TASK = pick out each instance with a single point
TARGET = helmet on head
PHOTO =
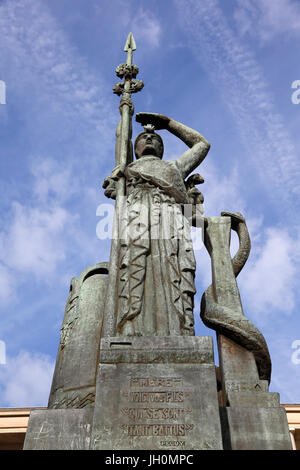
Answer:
(149, 129)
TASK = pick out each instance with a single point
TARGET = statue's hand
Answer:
(109, 185)
(117, 172)
(159, 121)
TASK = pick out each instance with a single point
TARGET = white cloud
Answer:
(33, 239)
(269, 283)
(26, 380)
(32, 242)
(265, 19)
(284, 367)
(41, 237)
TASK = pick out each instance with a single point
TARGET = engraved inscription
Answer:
(172, 443)
(154, 399)
(155, 413)
(157, 429)
(243, 386)
(155, 381)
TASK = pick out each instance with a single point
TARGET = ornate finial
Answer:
(128, 71)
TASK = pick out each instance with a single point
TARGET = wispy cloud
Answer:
(7, 284)
(38, 57)
(146, 27)
(265, 19)
(53, 180)
(245, 91)
(64, 104)
(221, 191)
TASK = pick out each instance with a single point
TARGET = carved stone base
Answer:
(252, 418)
(255, 428)
(156, 393)
(160, 393)
(59, 429)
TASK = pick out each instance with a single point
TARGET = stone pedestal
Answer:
(251, 416)
(160, 393)
(256, 427)
(156, 393)
(59, 429)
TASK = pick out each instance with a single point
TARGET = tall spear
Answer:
(127, 71)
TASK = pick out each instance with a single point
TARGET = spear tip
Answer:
(130, 43)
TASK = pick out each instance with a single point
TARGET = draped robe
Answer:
(157, 263)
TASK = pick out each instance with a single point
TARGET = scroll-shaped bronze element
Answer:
(221, 307)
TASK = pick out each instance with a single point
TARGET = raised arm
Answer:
(198, 150)
(198, 145)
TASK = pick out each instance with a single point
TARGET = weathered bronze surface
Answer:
(156, 265)
(74, 379)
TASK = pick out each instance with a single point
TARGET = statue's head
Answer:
(148, 143)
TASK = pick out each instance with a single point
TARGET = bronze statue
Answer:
(130, 372)
(152, 264)
(156, 263)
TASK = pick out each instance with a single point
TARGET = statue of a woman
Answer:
(156, 263)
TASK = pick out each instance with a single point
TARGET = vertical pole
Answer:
(128, 71)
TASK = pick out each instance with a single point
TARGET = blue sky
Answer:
(225, 68)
